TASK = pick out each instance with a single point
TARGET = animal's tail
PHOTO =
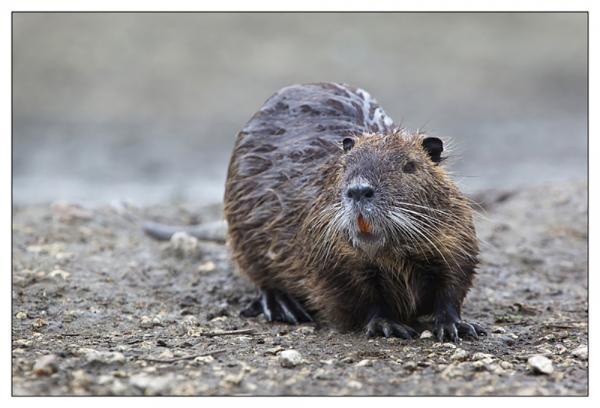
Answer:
(212, 231)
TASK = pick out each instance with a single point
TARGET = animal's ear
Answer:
(434, 148)
(348, 144)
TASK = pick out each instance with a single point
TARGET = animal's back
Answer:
(276, 167)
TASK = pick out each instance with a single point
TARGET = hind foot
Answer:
(277, 306)
(379, 326)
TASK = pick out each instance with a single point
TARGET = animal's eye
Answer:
(348, 144)
(409, 167)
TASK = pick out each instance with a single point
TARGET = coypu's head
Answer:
(393, 193)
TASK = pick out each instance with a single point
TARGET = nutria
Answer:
(344, 232)
(335, 212)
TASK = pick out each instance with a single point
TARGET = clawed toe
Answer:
(466, 330)
(404, 331)
(277, 306)
(253, 309)
(454, 331)
(479, 329)
(443, 331)
(378, 326)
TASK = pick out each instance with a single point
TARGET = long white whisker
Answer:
(424, 233)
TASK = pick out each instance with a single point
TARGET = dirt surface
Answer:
(99, 308)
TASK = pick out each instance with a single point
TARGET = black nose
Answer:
(360, 192)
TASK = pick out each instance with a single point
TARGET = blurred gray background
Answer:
(146, 107)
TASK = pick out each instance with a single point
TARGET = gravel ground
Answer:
(99, 308)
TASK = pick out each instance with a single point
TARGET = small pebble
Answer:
(183, 244)
(365, 363)
(207, 267)
(560, 349)
(118, 388)
(105, 379)
(38, 323)
(51, 249)
(102, 357)
(64, 275)
(119, 374)
(46, 365)
(508, 340)
(321, 374)
(152, 385)
(80, 378)
(452, 371)
(21, 315)
(448, 345)
(63, 256)
(483, 363)
(543, 350)
(581, 352)
(459, 355)
(481, 356)
(306, 330)
(233, 379)
(249, 386)
(426, 334)
(274, 350)
(410, 366)
(540, 364)
(23, 342)
(167, 354)
(290, 358)
(549, 337)
(204, 359)
(148, 322)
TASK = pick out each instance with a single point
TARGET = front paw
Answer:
(456, 330)
(379, 326)
(277, 306)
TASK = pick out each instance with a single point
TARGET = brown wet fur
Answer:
(284, 191)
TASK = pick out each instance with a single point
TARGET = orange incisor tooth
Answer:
(363, 225)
